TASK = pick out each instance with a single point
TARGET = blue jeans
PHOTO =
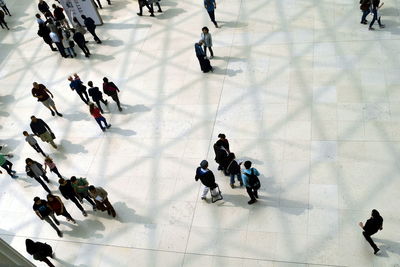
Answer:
(70, 51)
(101, 119)
(239, 177)
(364, 15)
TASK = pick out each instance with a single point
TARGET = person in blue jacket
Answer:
(210, 5)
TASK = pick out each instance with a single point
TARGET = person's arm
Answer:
(47, 90)
(46, 126)
(215, 5)
(361, 225)
(256, 172)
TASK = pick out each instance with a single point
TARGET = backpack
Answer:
(253, 180)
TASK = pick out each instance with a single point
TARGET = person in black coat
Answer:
(205, 65)
(69, 193)
(233, 169)
(206, 177)
(45, 9)
(91, 27)
(96, 95)
(372, 226)
(80, 40)
(143, 3)
(40, 251)
(44, 32)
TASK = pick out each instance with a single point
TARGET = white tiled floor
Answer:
(300, 88)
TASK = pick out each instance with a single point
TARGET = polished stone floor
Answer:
(300, 87)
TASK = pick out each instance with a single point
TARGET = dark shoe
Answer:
(232, 186)
(84, 213)
(60, 234)
(14, 176)
(108, 126)
(75, 54)
(251, 201)
(54, 49)
(371, 29)
(103, 129)
(53, 113)
(139, 14)
(94, 208)
(256, 194)
(220, 168)
(120, 109)
(47, 181)
(59, 114)
(152, 15)
(382, 26)
(376, 251)
(87, 55)
(364, 22)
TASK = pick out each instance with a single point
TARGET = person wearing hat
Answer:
(206, 177)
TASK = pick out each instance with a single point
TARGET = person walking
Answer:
(43, 95)
(44, 32)
(81, 187)
(35, 170)
(371, 227)
(48, 162)
(143, 3)
(3, 23)
(100, 197)
(41, 129)
(40, 251)
(95, 112)
(157, 2)
(68, 193)
(30, 139)
(96, 95)
(233, 169)
(43, 211)
(91, 27)
(251, 181)
(45, 9)
(207, 178)
(205, 65)
(365, 6)
(80, 40)
(7, 165)
(110, 89)
(55, 38)
(59, 16)
(210, 6)
(374, 10)
(77, 85)
(67, 42)
(4, 7)
(207, 40)
(57, 206)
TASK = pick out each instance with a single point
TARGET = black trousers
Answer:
(6, 10)
(252, 193)
(116, 99)
(76, 202)
(87, 197)
(209, 48)
(93, 32)
(8, 167)
(83, 95)
(212, 17)
(144, 3)
(3, 23)
(370, 241)
(66, 214)
(158, 5)
(98, 104)
(84, 48)
(40, 181)
(55, 170)
(38, 149)
(61, 49)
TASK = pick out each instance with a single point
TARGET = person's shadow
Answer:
(69, 148)
(388, 246)
(128, 109)
(117, 130)
(85, 229)
(78, 116)
(169, 13)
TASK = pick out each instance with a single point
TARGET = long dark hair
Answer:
(30, 246)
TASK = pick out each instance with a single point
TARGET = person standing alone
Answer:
(43, 95)
(372, 226)
(251, 181)
(91, 27)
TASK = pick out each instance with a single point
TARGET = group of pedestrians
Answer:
(56, 30)
(3, 13)
(371, 6)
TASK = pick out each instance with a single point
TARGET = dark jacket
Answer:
(220, 154)
(39, 127)
(59, 13)
(67, 190)
(373, 225)
(95, 93)
(43, 7)
(79, 38)
(89, 23)
(207, 178)
(44, 32)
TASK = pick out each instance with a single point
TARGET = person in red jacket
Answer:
(110, 89)
(95, 112)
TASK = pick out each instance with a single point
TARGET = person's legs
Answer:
(109, 207)
(375, 13)
(46, 260)
(38, 149)
(212, 17)
(87, 197)
(49, 221)
(85, 94)
(53, 105)
(42, 184)
(255, 193)
(98, 104)
(67, 215)
(232, 180)
(116, 99)
(99, 120)
(68, 52)
(205, 50)
(6, 10)
(3, 22)
(370, 241)
(80, 93)
(93, 32)
(159, 7)
(211, 51)
(55, 170)
(205, 191)
(60, 48)
(251, 195)
(364, 16)
(105, 102)
(45, 178)
(8, 167)
(76, 202)
(84, 49)
(99, 4)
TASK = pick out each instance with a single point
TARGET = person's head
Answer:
(83, 16)
(54, 6)
(70, 78)
(30, 246)
(204, 164)
(28, 161)
(76, 75)
(33, 118)
(204, 30)
(73, 179)
(62, 181)
(247, 164)
(36, 200)
(37, 16)
(90, 83)
(375, 213)
(221, 136)
(48, 159)
(105, 79)
(50, 197)
(92, 189)
(35, 85)
(25, 133)
(201, 42)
